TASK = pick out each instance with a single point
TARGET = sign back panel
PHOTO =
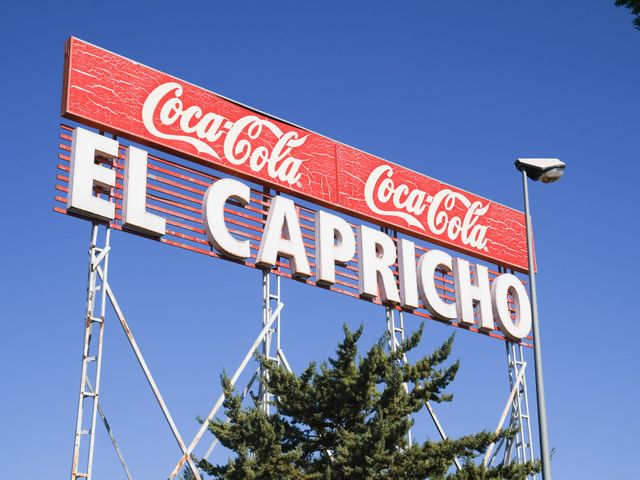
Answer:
(113, 93)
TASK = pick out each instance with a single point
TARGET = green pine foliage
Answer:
(634, 6)
(348, 419)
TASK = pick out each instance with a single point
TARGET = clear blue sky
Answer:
(456, 90)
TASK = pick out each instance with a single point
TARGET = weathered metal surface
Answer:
(126, 98)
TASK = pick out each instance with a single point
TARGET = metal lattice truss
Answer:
(518, 449)
(176, 192)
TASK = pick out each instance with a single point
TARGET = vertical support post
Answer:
(112, 437)
(520, 447)
(270, 303)
(396, 331)
(537, 341)
(91, 354)
(396, 337)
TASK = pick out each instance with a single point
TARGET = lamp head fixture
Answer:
(547, 170)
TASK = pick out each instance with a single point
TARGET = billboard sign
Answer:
(103, 179)
(113, 93)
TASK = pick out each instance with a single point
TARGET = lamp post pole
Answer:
(537, 342)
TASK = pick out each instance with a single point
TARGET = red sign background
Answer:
(113, 93)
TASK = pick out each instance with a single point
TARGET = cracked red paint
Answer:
(113, 93)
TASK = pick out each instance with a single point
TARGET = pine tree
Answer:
(348, 420)
(634, 6)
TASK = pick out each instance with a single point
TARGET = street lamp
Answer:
(547, 170)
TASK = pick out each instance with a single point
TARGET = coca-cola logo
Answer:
(423, 211)
(241, 143)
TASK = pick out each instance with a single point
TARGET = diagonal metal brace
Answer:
(97, 260)
(220, 401)
(103, 416)
(512, 394)
(147, 373)
(245, 392)
(443, 435)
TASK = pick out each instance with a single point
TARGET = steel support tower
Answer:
(516, 449)
(270, 302)
(395, 329)
(84, 440)
(520, 447)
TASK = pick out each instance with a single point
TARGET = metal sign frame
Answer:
(170, 178)
(176, 190)
(219, 134)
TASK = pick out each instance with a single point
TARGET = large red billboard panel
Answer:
(116, 94)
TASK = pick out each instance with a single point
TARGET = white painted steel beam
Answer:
(149, 377)
(505, 411)
(187, 452)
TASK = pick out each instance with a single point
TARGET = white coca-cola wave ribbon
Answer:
(410, 204)
(202, 129)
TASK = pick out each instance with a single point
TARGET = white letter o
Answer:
(518, 328)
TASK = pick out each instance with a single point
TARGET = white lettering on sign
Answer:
(518, 325)
(376, 255)
(478, 302)
(213, 206)
(134, 196)
(202, 130)
(85, 174)
(386, 198)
